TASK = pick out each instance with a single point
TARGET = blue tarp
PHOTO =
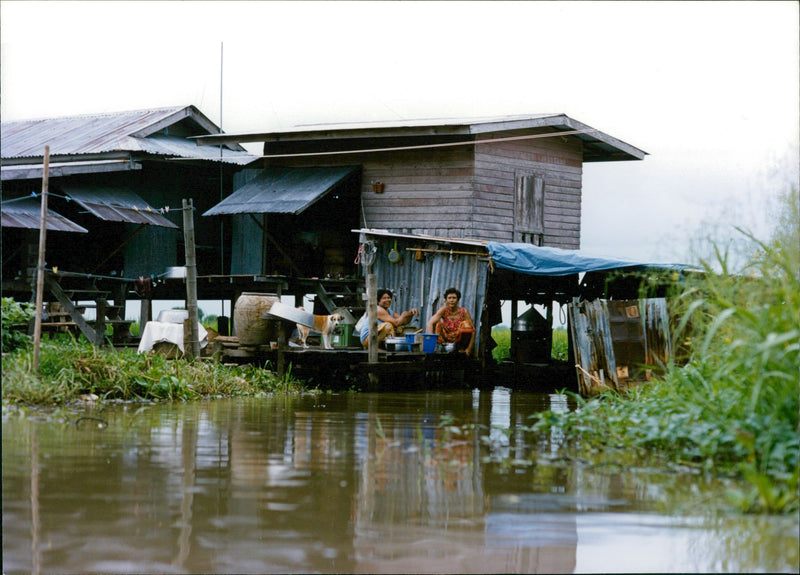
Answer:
(540, 261)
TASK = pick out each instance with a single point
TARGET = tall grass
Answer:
(734, 406)
(70, 368)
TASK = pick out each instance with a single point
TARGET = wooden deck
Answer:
(345, 367)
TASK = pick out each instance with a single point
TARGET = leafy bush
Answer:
(733, 407)
(502, 337)
(15, 319)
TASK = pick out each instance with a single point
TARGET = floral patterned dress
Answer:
(452, 326)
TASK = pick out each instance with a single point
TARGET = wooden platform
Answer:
(344, 367)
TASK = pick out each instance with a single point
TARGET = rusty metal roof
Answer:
(117, 205)
(26, 213)
(157, 131)
(282, 190)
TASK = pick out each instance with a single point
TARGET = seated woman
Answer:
(388, 320)
(453, 323)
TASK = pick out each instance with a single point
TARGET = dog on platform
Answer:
(325, 325)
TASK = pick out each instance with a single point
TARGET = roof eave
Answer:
(598, 145)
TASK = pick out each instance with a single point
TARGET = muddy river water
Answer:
(421, 482)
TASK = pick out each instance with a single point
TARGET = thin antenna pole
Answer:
(221, 188)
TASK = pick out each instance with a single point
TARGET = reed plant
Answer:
(734, 406)
(70, 368)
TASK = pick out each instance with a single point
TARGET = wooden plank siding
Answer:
(467, 192)
(498, 165)
(425, 191)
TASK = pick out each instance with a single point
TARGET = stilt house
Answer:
(120, 178)
(435, 191)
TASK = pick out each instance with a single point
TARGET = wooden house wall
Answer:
(468, 192)
(425, 191)
(498, 165)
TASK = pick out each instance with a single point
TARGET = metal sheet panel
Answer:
(618, 343)
(59, 169)
(282, 190)
(118, 205)
(26, 213)
(84, 134)
(128, 131)
(598, 146)
(188, 150)
(421, 283)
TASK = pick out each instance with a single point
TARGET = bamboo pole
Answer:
(192, 350)
(37, 322)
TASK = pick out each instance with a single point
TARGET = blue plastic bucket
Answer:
(428, 341)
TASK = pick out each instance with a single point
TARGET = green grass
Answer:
(69, 368)
(502, 337)
(733, 407)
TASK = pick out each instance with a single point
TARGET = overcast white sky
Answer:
(709, 90)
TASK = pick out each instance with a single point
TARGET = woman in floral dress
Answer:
(453, 323)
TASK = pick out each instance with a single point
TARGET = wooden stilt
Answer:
(37, 322)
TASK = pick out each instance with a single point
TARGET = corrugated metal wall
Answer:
(247, 238)
(421, 282)
(618, 342)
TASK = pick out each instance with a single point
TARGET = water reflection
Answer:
(383, 483)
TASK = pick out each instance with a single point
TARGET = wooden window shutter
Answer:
(529, 209)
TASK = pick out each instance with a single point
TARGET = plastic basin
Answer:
(428, 341)
(290, 313)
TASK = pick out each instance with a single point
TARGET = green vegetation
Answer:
(15, 319)
(560, 344)
(502, 337)
(733, 407)
(69, 369)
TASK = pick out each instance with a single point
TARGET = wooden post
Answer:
(100, 321)
(37, 322)
(145, 312)
(283, 342)
(192, 350)
(372, 316)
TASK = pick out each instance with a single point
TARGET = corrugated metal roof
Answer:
(112, 132)
(26, 213)
(282, 190)
(598, 146)
(57, 169)
(118, 205)
(447, 121)
(183, 148)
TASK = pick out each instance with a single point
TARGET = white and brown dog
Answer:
(325, 325)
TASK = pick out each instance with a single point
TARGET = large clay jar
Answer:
(249, 323)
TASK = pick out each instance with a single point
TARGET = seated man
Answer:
(453, 323)
(388, 320)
